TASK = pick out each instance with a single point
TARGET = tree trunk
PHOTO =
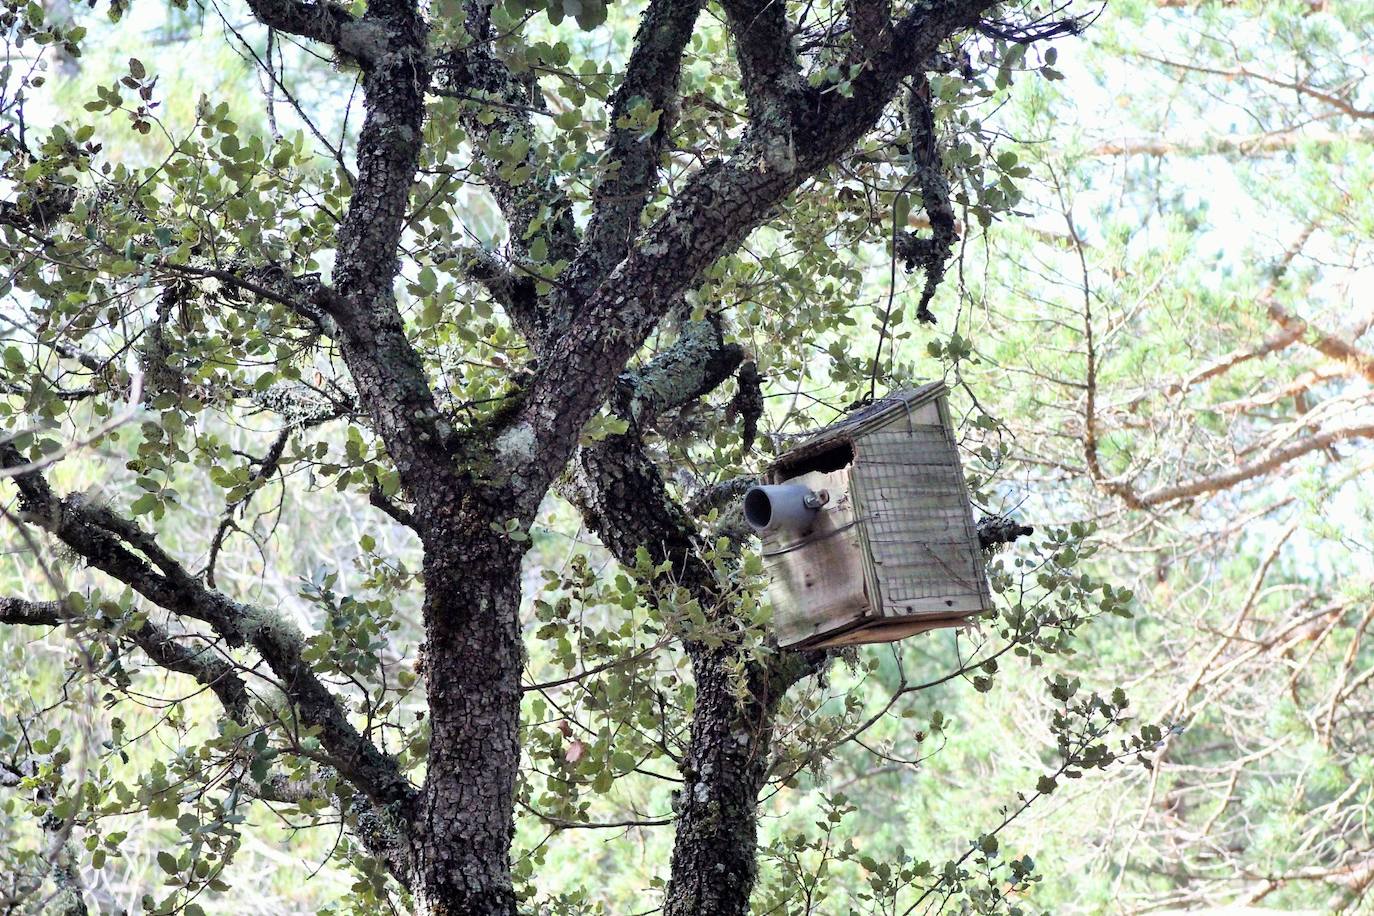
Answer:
(465, 817)
(621, 496)
(714, 863)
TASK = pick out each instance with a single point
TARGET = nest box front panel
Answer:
(816, 577)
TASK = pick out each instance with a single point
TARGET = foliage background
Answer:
(1190, 179)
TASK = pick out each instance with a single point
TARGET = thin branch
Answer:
(108, 543)
(1272, 461)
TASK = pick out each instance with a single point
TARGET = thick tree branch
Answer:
(387, 372)
(693, 367)
(376, 828)
(205, 667)
(615, 484)
(714, 212)
(494, 107)
(21, 612)
(324, 22)
(871, 22)
(769, 71)
(643, 114)
(108, 543)
(623, 499)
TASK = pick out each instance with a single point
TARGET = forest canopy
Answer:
(379, 383)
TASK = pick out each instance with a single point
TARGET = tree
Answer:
(404, 347)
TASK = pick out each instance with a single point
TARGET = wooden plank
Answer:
(886, 630)
(816, 584)
(964, 603)
(909, 563)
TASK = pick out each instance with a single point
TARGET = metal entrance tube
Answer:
(782, 507)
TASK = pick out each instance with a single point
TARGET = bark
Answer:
(465, 817)
(386, 370)
(769, 70)
(373, 825)
(651, 80)
(708, 218)
(932, 252)
(108, 543)
(715, 854)
(324, 22)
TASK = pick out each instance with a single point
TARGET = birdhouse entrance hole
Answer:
(834, 457)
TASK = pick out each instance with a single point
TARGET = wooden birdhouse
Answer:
(867, 528)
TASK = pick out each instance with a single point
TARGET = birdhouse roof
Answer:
(869, 417)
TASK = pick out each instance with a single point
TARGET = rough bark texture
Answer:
(715, 859)
(465, 817)
(108, 544)
(928, 172)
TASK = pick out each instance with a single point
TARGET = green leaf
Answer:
(427, 281)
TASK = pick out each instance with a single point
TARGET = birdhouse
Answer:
(867, 528)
